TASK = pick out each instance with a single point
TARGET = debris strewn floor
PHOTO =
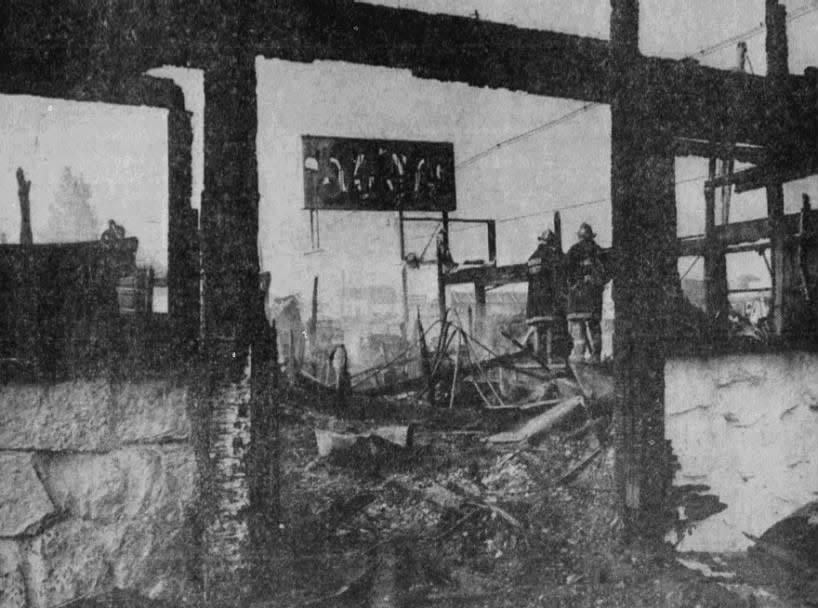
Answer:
(457, 521)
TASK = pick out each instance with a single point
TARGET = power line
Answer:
(516, 218)
(526, 134)
(708, 50)
(806, 9)
(597, 201)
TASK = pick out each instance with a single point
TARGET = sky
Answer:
(122, 151)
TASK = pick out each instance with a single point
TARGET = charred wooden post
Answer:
(230, 205)
(265, 449)
(443, 264)
(778, 71)
(233, 311)
(183, 237)
(479, 310)
(645, 276)
(715, 270)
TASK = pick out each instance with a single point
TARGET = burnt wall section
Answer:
(164, 342)
(61, 50)
(183, 236)
(59, 314)
(743, 429)
(98, 490)
(645, 276)
(230, 202)
(227, 558)
(240, 515)
(443, 47)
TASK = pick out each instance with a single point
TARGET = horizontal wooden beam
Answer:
(488, 276)
(49, 55)
(137, 91)
(700, 147)
(734, 236)
(442, 47)
(697, 101)
(756, 178)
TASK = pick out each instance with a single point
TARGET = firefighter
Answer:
(545, 303)
(586, 278)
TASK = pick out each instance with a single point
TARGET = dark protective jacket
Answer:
(546, 293)
(586, 278)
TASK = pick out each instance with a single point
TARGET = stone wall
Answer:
(744, 429)
(98, 486)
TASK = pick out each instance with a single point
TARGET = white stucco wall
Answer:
(747, 426)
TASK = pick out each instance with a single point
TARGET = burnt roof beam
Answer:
(695, 101)
(442, 47)
(47, 57)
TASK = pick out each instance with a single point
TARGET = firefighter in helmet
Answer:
(586, 277)
(545, 306)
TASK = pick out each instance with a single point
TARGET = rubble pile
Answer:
(474, 518)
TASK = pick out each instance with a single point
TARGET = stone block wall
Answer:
(98, 488)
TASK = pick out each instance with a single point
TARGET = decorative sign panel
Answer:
(377, 175)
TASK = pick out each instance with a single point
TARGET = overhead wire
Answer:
(598, 201)
(704, 51)
(708, 50)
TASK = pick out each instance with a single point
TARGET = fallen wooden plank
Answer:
(451, 597)
(402, 386)
(525, 406)
(541, 424)
(499, 511)
(332, 443)
(400, 435)
(577, 469)
(314, 383)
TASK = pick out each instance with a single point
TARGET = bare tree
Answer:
(71, 217)
(23, 189)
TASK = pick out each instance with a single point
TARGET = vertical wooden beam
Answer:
(441, 288)
(234, 311)
(441, 284)
(645, 278)
(491, 230)
(777, 47)
(404, 279)
(479, 310)
(715, 267)
(777, 71)
(775, 212)
(711, 304)
(265, 452)
(444, 229)
(230, 204)
(183, 237)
